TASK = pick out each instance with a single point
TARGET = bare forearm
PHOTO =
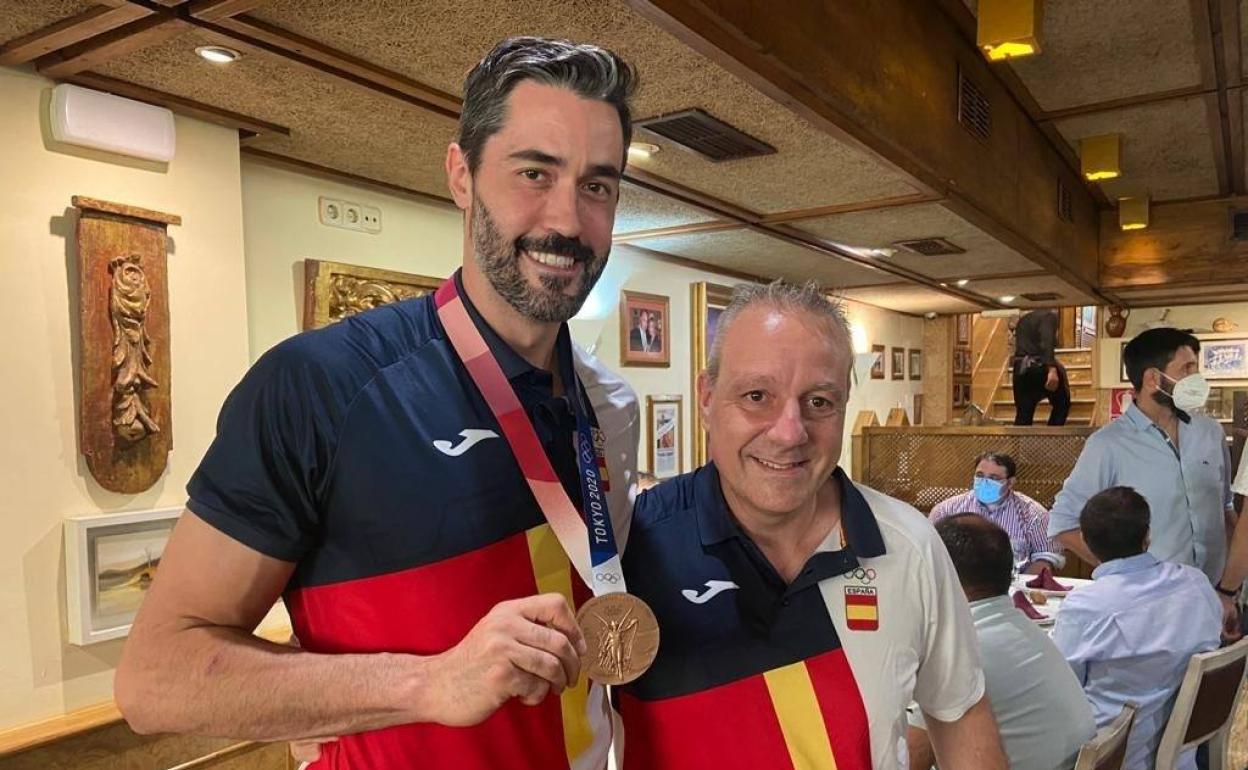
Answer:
(1072, 539)
(224, 682)
(1237, 557)
(969, 743)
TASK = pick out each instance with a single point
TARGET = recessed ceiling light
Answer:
(963, 281)
(1007, 298)
(642, 149)
(218, 54)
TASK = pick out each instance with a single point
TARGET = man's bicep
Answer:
(206, 577)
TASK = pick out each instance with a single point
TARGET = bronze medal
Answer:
(623, 637)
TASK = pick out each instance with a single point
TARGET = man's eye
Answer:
(532, 174)
(755, 395)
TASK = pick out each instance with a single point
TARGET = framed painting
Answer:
(877, 366)
(334, 290)
(916, 365)
(110, 561)
(957, 394)
(1224, 359)
(664, 437)
(707, 302)
(918, 409)
(963, 324)
(899, 363)
(645, 329)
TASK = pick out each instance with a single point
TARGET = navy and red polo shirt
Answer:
(364, 453)
(756, 673)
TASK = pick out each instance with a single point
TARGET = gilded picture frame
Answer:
(335, 290)
(707, 301)
(650, 346)
(665, 439)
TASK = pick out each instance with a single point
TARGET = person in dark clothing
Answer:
(1037, 373)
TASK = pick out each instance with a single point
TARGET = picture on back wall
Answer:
(644, 329)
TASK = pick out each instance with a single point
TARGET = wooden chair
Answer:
(1205, 706)
(1107, 750)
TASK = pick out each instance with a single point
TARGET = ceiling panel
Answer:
(1191, 295)
(1017, 287)
(1167, 148)
(332, 123)
(21, 17)
(751, 252)
(910, 298)
(641, 209)
(1098, 50)
(878, 228)
(436, 42)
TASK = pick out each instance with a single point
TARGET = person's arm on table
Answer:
(192, 665)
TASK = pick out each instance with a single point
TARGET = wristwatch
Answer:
(1226, 591)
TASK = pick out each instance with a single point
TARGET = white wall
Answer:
(42, 475)
(1200, 318)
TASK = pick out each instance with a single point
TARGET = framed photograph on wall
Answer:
(645, 338)
(963, 323)
(664, 437)
(918, 409)
(877, 367)
(707, 302)
(899, 363)
(1224, 359)
(957, 394)
(110, 561)
(916, 365)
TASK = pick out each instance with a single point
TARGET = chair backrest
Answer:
(1107, 750)
(1205, 704)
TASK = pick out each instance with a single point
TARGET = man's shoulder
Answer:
(953, 504)
(600, 380)
(904, 528)
(667, 501)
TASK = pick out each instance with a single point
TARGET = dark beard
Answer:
(500, 262)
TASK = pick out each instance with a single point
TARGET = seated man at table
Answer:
(1129, 635)
(993, 497)
(1039, 705)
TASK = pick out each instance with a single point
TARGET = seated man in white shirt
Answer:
(1129, 635)
(1039, 705)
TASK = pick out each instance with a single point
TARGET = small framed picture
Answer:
(966, 393)
(110, 561)
(916, 365)
(963, 324)
(644, 329)
(957, 394)
(958, 354)
(1224, 359)
(665, 435)
(877, 367)
(899, 363)
(918, 409)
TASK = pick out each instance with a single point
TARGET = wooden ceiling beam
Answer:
(847, 208)
(1112, 105)
(150, 30)
(667, 232)
(216, 10)
(898, 101)
(1231, 98)
(75, 29)
(1207, 26)
(179, 104)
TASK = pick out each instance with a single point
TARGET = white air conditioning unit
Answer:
(87, 118)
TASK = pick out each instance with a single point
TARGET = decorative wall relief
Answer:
(334, 290)
(125, 413)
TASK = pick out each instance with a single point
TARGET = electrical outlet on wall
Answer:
(348, 215)
(370, 219)
(351, 217)
(330, 211)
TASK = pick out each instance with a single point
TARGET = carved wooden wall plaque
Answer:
(125, 415)
(334, 290)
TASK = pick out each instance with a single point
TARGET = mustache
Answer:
(559, 245)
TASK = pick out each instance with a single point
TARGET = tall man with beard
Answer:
(359, 472)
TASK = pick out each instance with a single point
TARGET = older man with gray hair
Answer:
(800, 612)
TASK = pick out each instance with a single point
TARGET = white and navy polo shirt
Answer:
(754, 673)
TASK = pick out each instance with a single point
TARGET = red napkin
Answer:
(1045, 581)
(1024, 604)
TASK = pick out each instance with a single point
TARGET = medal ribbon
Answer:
(591, 549)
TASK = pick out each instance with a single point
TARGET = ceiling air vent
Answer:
(1065, 208)
(974, 112)
(1042, 296)
(931, 247)
(706, 135)
(1239, 224)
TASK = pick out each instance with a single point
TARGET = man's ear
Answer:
(704, 396)
(459, 176)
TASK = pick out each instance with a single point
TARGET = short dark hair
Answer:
(1002, 459)
(586, 70)
(1115, 523)
(981, 554)
(1155, 349)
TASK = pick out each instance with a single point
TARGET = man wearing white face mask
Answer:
(994, 498)
(1176, 459)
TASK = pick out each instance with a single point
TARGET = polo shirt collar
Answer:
(716, 523)
(983, 608)
(1140, 561)
(512, 363)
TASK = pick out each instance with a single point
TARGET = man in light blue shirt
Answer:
(1177, 460)
(1041, 712)
(1129, 635)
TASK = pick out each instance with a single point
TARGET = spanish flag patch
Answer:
(862, 609)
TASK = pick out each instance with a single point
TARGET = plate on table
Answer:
(1072, 582)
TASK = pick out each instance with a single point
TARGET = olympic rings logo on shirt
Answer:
(866, 575)
(607, 577)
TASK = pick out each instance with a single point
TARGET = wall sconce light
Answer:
(1008, 29)
(1133, 213)
(1100, 157)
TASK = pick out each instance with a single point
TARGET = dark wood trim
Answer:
(150, 30)
(846, 208)
(180, 105)
(687, 195)
(1231, 98)
(1111, 105)
(1205, 299)
(694, 264)
(124, 210)
(216, 10)
(667, 232)
(1207, 28)
(67, 32)
(345, 176)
